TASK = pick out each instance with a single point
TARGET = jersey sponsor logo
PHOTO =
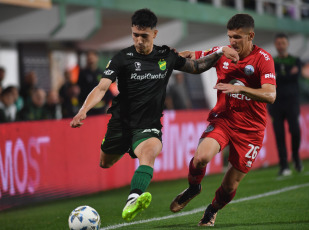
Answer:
(108, 72)
(162, 64)
(225, 65)
(270, 75)
(108, 64)
(238, 96)
(130, 54)
(148, 76)
(249, 70)
(138, 66)
(151, 131)
(266, 56)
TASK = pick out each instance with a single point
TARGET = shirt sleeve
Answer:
(267, 69)
(180, 61)
(113, 68)
(203, 53)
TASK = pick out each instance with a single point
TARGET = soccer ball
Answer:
(84, 218)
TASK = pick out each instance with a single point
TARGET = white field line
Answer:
(275, 192)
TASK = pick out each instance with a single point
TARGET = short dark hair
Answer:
(240, 21)
(144, 18)
(281, 35)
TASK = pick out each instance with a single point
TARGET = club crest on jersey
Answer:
(162, 64)
(138, 66)
(249, 70)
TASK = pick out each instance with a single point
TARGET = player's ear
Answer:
(155, 33)
(251, 35)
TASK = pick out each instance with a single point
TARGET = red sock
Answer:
(195, 175)
(222, 198)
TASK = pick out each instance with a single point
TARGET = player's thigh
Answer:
(232, 179)
(146, 145)
(206, 150)
(244, 149)
(213, 139)
(148, 150)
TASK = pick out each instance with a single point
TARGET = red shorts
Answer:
(244, 145)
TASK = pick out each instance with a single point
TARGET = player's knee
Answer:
(201, 160)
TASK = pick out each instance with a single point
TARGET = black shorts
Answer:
(120, 141)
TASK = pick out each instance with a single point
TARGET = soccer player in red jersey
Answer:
(237, 120)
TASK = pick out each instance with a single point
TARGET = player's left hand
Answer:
(230, 54)
(228, 88)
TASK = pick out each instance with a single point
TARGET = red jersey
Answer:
(238, 110)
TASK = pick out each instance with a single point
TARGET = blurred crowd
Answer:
(30, 102)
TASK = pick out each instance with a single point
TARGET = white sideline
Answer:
(275, 192)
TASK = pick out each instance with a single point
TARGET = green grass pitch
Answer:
(272, 203)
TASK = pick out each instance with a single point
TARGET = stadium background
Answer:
(41, 160)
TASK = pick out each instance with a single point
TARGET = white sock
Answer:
(132, 196)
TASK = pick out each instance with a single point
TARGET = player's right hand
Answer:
(77, 120)
(230, 53)
(187, 54)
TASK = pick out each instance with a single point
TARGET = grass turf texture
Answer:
(287, 210)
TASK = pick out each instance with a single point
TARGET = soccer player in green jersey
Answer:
(142, 72)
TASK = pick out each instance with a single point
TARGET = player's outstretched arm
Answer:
(205, 63)
(93, 98)
(267, 93)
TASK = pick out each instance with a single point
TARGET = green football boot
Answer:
(135, 205)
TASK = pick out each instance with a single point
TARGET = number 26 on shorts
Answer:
(252, 153)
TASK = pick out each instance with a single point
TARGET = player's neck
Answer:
(144, 52)
(247, 52)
